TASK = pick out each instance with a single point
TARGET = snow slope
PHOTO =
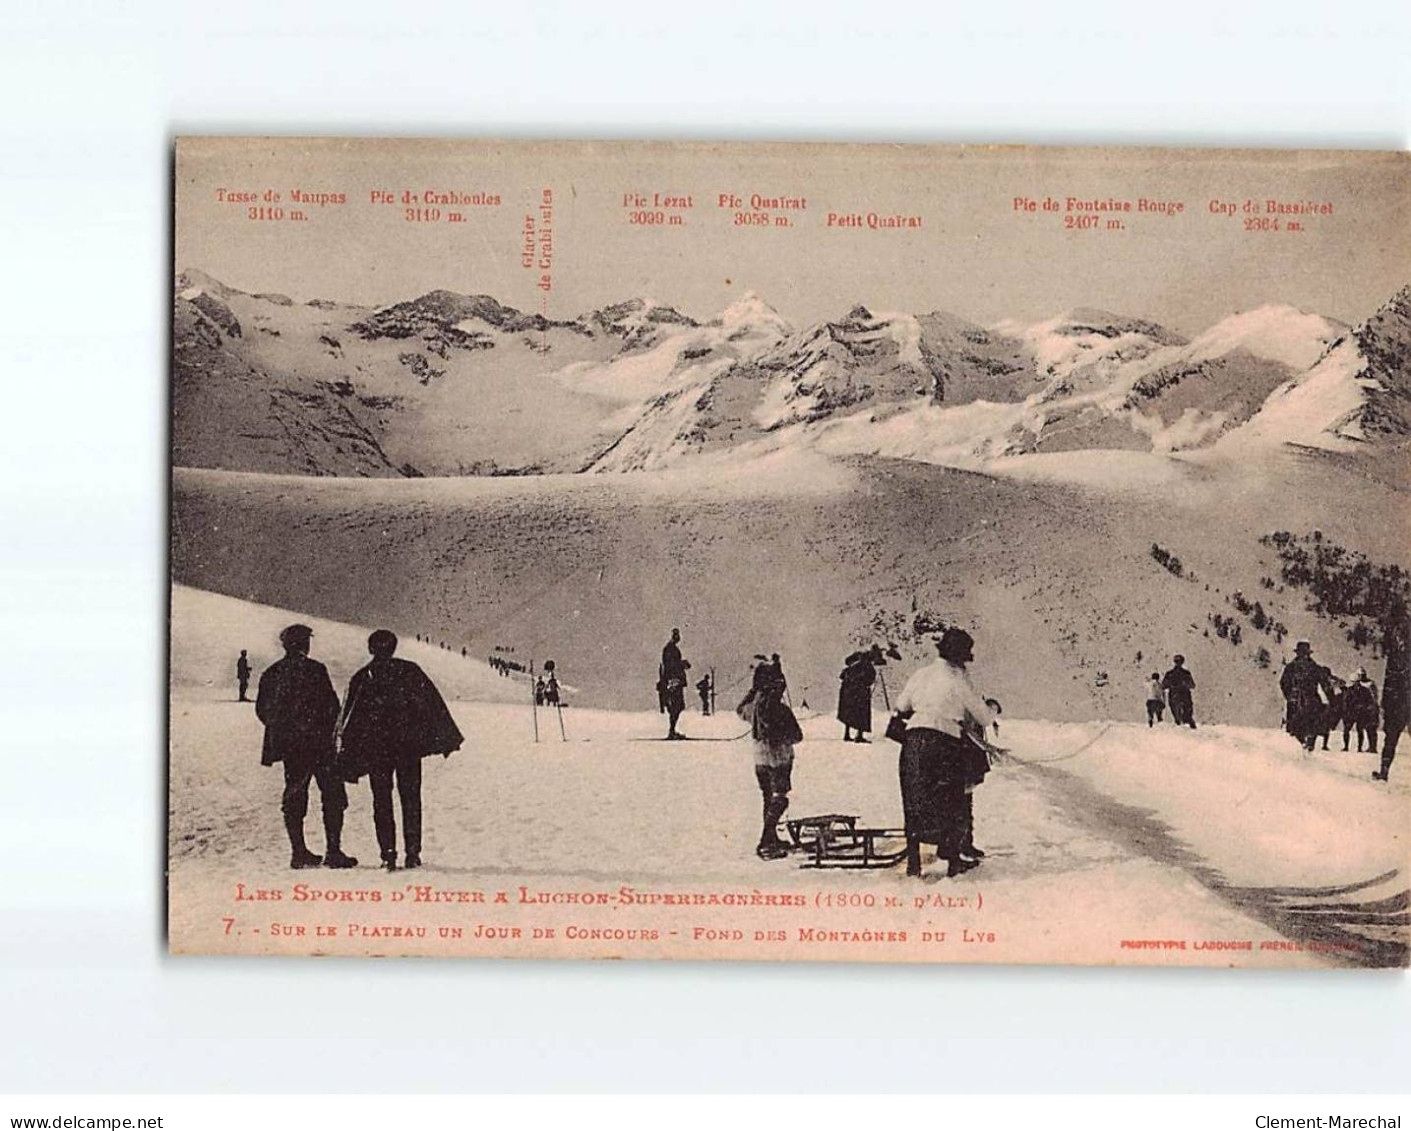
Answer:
(1096, 833)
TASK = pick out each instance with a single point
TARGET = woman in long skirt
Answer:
(938, 764)
(855, 696)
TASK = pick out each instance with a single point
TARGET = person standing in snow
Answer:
(1308, 691)
(1331, 713)
(1396, 691)
(703, 690)
(299, 708)
(775, 731)
(1155, 699)
(855, 695)
(938, 765)
(1178, 684)
(242, 675)
(1360, 710)
(392, 718)
(671, 683)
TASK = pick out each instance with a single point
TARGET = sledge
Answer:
(833, 840)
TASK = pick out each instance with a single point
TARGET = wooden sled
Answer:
(833, 840)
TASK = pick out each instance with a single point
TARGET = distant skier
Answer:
(1396, 691)
(1307, 687)
(855, 695)
(541, 689)
(1178, 684)
(775, 730)
(550, 680)
(299, 708)
(242, 675)
(703, 689)
(392, 718)
(1360, 710)
(671, 682)
(1155, 699)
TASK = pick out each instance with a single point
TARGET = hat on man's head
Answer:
(1302, 648)
(296, 635)
(1178, 659)
(956, 644)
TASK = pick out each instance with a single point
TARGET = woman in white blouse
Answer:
(938, 764)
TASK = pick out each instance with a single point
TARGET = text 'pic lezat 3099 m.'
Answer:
(790, 552)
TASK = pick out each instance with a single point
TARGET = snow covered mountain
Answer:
(448, 383)
(748, 378)
(1358, 393)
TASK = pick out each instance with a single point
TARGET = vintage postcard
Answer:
(790, 552)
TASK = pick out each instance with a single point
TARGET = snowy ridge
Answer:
(1356, 392)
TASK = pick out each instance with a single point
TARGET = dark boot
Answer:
(913, 856)
(333, 855)
(300, 856)
(770, 846)
(389, 861)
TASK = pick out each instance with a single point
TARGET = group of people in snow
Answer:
(546, 687)
(391, 717)
(1317, 702)
(940, 720)
(1175, 689)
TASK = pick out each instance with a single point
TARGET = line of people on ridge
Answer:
(391, 717)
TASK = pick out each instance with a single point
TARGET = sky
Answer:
(977, 251)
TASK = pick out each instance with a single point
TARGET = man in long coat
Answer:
(1308, 690)
(1396, 693)
(299, 708)
(671, 682)
(392, 718)
(1178, 683)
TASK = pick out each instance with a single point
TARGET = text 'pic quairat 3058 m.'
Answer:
(849, 553)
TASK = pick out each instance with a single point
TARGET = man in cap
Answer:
(393, 717)
(242, 675)
(1178, 684)
(671, 682)
(1302, 681)
(299, 708)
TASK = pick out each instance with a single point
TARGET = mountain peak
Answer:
(192, 282)
(752, 312)
(1275, 331)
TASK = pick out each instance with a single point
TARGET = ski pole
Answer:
(533, 702)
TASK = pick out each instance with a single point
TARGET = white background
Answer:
(90, 97)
